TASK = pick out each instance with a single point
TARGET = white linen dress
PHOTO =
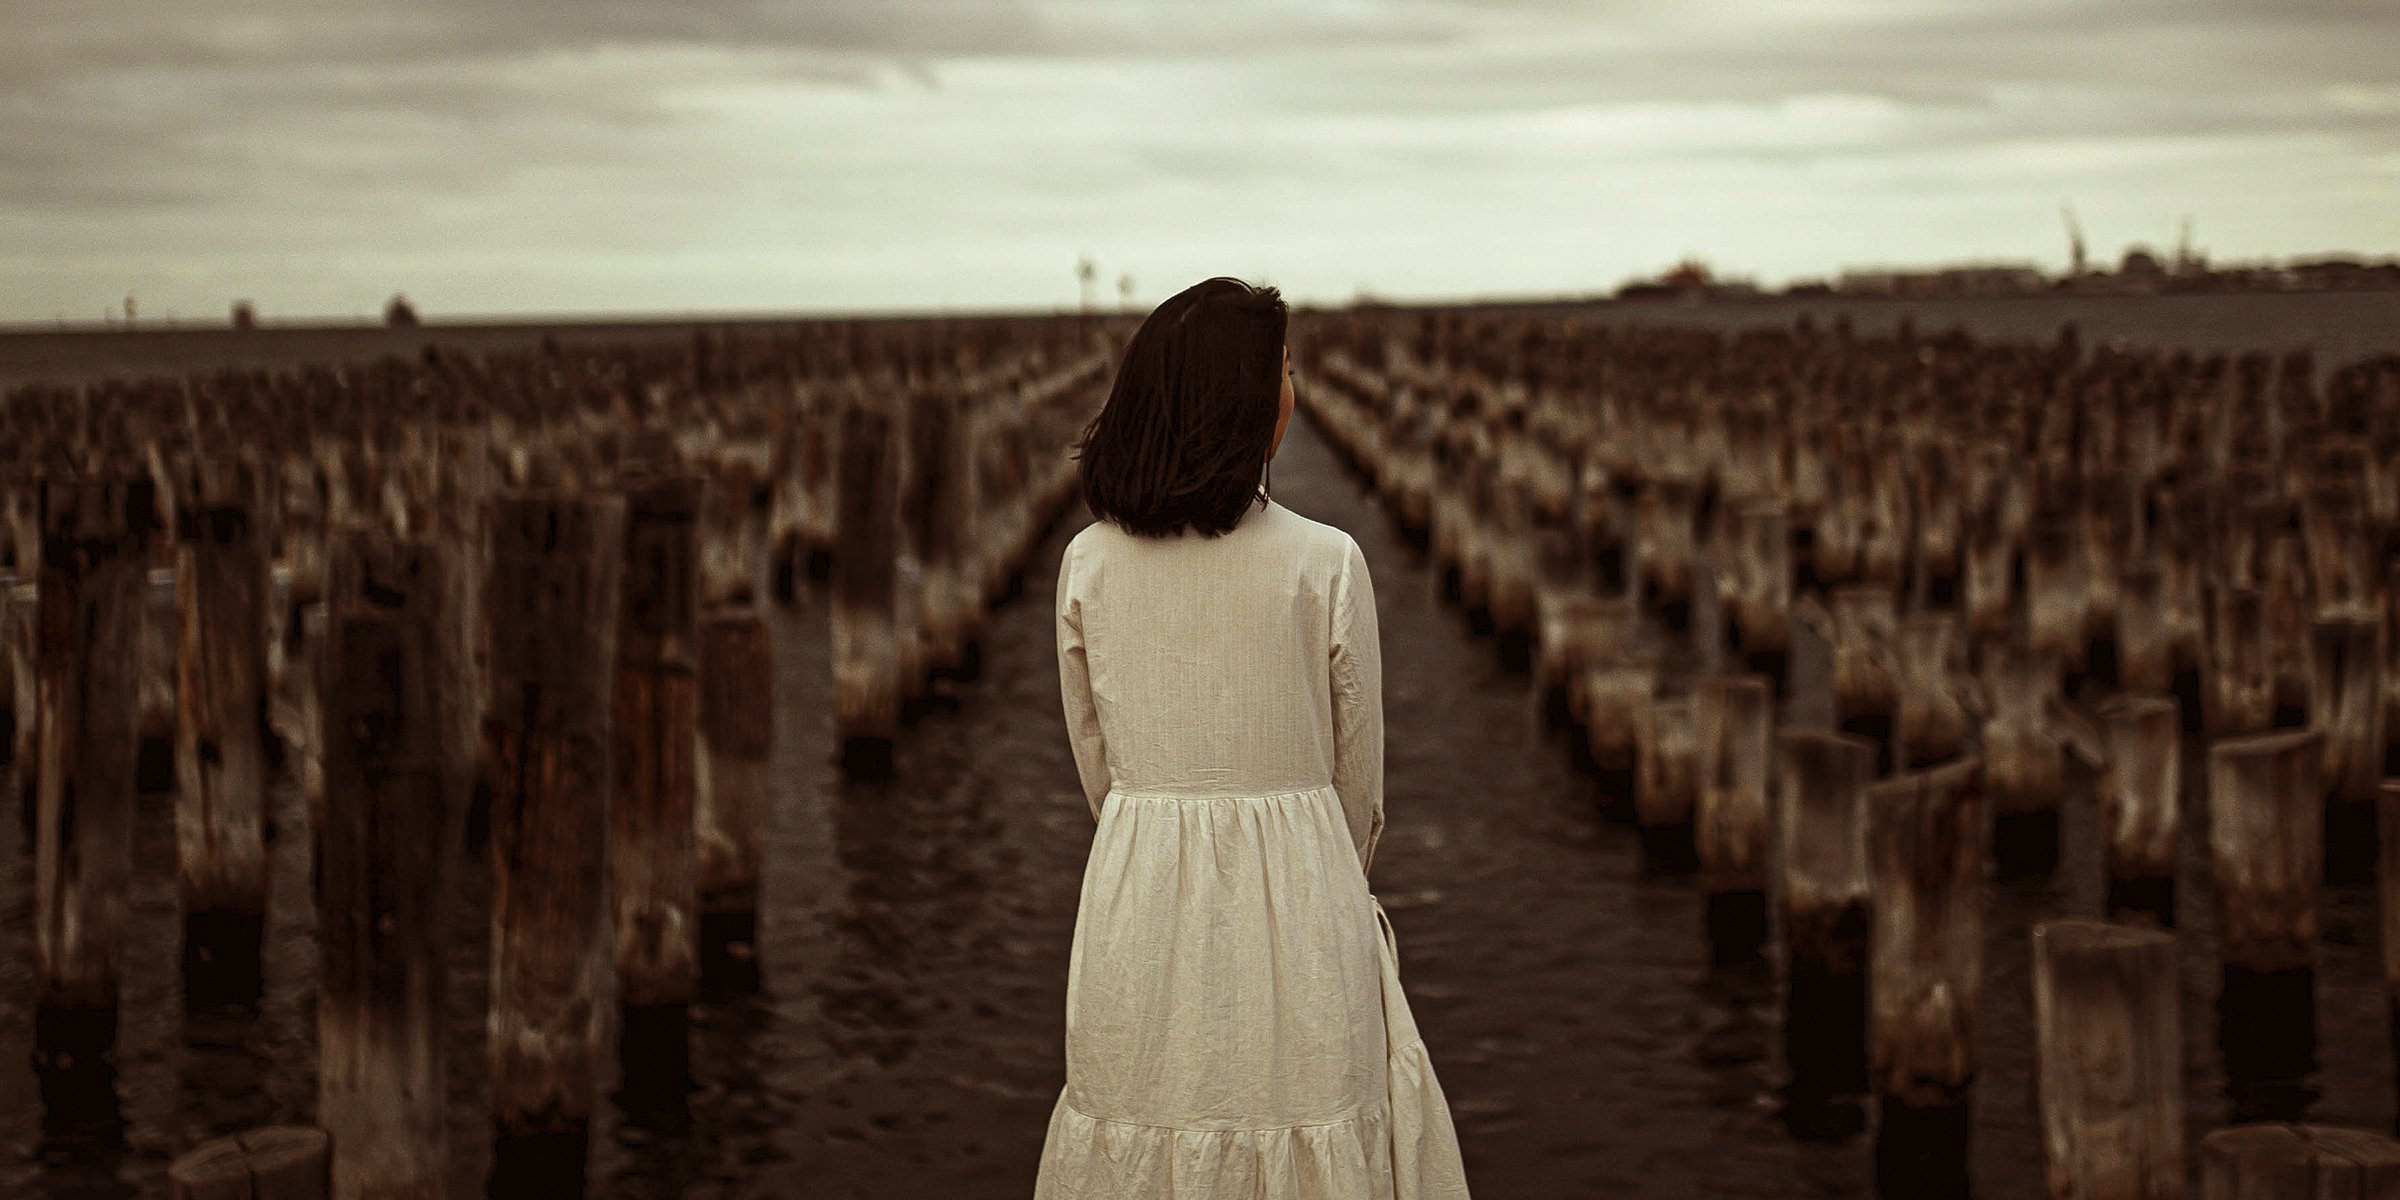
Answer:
(1235, 1022)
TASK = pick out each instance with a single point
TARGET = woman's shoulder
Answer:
(1274, 530)
(1325, 546)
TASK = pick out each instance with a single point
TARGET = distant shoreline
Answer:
(2338, 326)
(652, 322)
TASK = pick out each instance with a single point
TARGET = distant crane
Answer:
(2075, 257)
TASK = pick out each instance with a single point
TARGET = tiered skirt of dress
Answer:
(1235, 1021)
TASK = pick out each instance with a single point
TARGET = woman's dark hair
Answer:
(1182, 439)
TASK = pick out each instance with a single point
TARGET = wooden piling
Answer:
(654, 887)
(1926, 836)
(1761, 612)
(88, 667)
(1736, 761)
(737, 737)
(279, 1162)
(2144, 636)
(2024, 762)
(2266, 847)
(20, 626)
(2266, 822)
(2241, 685)
(1932, 723)
(2057, 595)
(2108, 1060)
(2387, 897)
(2278, 1161)
(221, 596)
(394, 825)
(555, 594)
(2140, 802)
(865, 579)
(1825, 892)
(1668, 779)
(2345, 707)
(1866, 684)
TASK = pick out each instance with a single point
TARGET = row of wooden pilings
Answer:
(2000, 560)
(508, 606)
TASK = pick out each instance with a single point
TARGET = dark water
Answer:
(906, 1038)
(2337, 326)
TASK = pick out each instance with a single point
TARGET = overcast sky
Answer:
(554, 156)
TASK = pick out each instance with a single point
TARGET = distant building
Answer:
(399, 312)
(244, 315)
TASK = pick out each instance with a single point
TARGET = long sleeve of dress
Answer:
(1357, 675)
(1075, 695)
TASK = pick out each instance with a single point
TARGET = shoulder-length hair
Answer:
(1183, 437)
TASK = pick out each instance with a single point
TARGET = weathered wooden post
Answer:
(1821, 857)
(2266, 826)
(279, 1162)
(2241, 686)
(2276, 1161)
(1927, 831)
(735, 792)
(1568, 642)
(221, 596)
(2024, 764)
(1618, 691)
(2345, 707)
(1667, 765)
(1932, 723)
(20, 624)
(1866, 685)
(865, 579)
(655, 725)
(1729, 828)
(946, 534)
(554, 596)
(1988, 574)
(1663, 555)
(2108, 1060)
(2387, 895)
(154, 761)
(2057, 594)
(2144, 638)
(2140, 792)
(88, 667)
(1512, 570)
(395, 820)
(1762, 620)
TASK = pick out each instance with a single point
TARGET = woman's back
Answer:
(1209, 658)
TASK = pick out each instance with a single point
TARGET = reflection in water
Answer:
(1736, 1040)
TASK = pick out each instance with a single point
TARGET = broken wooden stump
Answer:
(2108, 1062)
(91, 585)
(555, 593)
(1826, 894)
(735, 788)
(221, 799)
(865, 585)
(655, 739)
(2266, 824)
(2140, 802)
(1729, 826)
(2277, 1161)
(1926, 837)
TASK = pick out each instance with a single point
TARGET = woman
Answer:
(1235, 1023)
